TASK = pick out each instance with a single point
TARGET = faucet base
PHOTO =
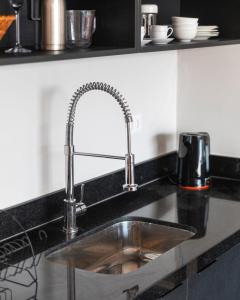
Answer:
(130, 187)
(70, 231)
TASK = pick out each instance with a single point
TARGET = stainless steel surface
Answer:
(100, 155)
(70, 205)
(81, 207)
(147, 21)
(121, 248)
(53, 23)
(130, 185)
(81, 24)
(71, 286)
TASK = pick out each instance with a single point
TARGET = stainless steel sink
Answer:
(122, 247)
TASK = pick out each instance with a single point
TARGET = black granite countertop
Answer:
(214, 214)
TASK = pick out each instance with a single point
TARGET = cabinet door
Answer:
(220, 281)
(180, 293)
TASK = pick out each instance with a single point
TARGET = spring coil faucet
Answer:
(70, 204)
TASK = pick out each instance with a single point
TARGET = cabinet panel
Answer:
(220, 281)
(180, 293)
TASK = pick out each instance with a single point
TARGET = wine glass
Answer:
(17, 5)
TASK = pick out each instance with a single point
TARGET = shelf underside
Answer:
(42, 56)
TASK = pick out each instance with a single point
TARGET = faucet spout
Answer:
(70, 204)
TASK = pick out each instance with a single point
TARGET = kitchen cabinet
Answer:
(179, 293)
(219, 281)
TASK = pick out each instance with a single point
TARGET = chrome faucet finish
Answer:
(71, 207)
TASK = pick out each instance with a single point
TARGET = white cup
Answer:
(161, 32)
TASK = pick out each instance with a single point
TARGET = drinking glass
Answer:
(17, 5)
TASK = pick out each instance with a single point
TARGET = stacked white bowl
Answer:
(184, 29)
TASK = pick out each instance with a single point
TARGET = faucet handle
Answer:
(81, 208)
(82, 192)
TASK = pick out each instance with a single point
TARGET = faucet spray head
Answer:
(130, 185)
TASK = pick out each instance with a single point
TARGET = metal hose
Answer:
(100, 86)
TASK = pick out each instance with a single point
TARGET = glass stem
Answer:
(18, 42)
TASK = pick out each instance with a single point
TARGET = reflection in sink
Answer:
(121, 247)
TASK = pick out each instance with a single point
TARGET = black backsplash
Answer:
(223, 166)
(50, 207)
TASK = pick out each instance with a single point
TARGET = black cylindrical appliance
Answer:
(194, 161)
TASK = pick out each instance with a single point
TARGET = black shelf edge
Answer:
(175, 45)
(43, 56)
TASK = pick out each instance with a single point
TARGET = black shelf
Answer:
(42, 56)
(175, 45)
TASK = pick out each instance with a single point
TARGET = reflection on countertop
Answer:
(207, 211)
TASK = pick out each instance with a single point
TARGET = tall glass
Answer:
(17, 5)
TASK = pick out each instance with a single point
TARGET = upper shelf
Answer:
(194, 44)
(118, 28)
(41, 56)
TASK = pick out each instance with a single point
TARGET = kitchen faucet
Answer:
(71, 207)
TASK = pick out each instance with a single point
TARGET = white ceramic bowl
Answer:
(187, 27)
(184, 35)
(184, 19)
(184, 24)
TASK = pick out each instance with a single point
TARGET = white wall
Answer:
(209, 96)
(33, 106)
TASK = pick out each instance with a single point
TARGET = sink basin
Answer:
(121, 247)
